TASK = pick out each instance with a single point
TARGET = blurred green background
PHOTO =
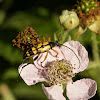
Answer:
(41, 15)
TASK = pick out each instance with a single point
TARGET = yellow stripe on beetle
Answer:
(45, 43)
(34, 51)
(27, 53)
(39, 45)
(44, 49)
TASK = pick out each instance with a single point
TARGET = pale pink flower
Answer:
(59, 70)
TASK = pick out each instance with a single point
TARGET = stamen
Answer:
(59, 71)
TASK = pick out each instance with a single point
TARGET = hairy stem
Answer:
(64, 36)
(95, 49)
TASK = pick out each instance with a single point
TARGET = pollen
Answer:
(60, 71)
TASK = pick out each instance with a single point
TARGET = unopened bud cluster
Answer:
(87, 5)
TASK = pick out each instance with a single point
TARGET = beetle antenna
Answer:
(73, 52)
(20, 72)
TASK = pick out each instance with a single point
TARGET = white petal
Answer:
(77, 55)
(30, 74)
(82, 89)
(54, 92)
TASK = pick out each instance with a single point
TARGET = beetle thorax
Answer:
(52, 44)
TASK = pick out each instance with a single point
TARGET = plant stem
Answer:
(95, 49)
(64, 36)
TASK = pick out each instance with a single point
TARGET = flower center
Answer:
(60, 71)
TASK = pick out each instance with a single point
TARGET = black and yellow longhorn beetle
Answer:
(45, 46)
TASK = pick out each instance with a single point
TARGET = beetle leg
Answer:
(49, 39)
(38, 59)
(21, 71)
(44, 40)
(44, 58)
(55, 52)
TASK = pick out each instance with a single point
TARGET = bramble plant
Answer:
(58, 71)
(72, 57)
(56, 46)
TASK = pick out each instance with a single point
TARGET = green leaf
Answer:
(9, 53)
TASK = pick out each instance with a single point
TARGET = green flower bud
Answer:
(87, 4)
(69, 19)
(87, 10)
(83, 7)
(92, 2)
